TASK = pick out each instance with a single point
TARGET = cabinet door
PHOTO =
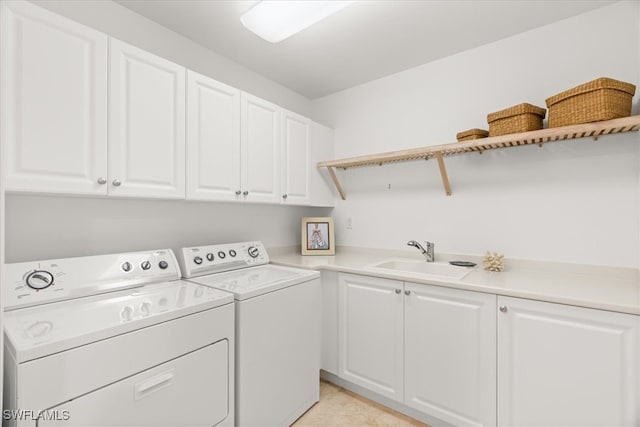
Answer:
(450, 354)
(566, 366)
(370, 333)
(322, 148)
(213, 139)
(260, 135)
(53, 103)
(146, 123)
(296, 159)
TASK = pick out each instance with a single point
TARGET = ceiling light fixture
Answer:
(275, 20)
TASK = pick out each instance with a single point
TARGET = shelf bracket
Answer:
(443, 173)
(334, 178)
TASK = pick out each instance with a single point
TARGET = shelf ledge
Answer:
(540, 137)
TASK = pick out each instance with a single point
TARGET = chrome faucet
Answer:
(428, 253)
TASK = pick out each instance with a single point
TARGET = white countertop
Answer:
(600, 287)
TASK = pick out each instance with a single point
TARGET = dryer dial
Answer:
(39, 279)
(253, 251)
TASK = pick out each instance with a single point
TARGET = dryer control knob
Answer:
(39, 279)
(145, 265)
(197, 260)
(126, 267)
(253, 252)
(222, 255)
(232, 253)
(163, 265)
(210, 256)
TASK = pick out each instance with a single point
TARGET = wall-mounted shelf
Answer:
(594, 130)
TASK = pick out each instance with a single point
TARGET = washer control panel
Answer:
(201, 260)
(39, 282)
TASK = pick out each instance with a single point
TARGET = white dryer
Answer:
(277, 329)
(116, 340)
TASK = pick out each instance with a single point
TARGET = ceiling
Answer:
(367, 40)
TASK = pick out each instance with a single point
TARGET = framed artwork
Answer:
(318, 236)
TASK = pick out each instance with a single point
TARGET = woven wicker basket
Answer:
(600, 99)
(470, 134)
(519, 118)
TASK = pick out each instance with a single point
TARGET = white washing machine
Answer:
(277, 329)
(116, 340)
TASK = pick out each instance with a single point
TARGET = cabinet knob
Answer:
(398, 291)
(238, 193)
(284, 196)
(102, 181)
(245, 193)
(503, 308)
(407, 292)
(117, 183)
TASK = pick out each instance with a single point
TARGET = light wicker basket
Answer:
(600, 99)
(519, 118)
(470, 134)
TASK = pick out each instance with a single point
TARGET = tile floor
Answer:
(341, 408)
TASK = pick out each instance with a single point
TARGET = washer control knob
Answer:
(253, 252)
(145, 308)
(163, 265)
(126, 313)
(145, 265)
(210, 256)
(222, 255)
(126, 266)
(232, 253)
(39, 279)
(198, 260)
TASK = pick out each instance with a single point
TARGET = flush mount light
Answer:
(275, 20)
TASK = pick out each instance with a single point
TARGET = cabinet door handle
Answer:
(398, 291)
(238, 193)
(245, 193)
(102, 181)
(117, 183)
(284, 196)
(503, 308)
(407, 292)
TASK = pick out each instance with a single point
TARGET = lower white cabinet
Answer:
(370, 331)
(450, 354)
(566, 366)
(429, 347)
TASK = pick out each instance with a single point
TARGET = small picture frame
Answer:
(318, 236)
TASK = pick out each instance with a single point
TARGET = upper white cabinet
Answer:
(146, 124)
(82, 113)
(296, 159)
(322, 188)
(53, 103)
(450, 354)
(260, 125)
(370, 334)
(213, 139)
(566, 366)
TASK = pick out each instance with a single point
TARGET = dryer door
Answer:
(191, 390)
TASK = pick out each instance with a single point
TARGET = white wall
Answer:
(43, 227)
(572, 201)
(39, 227)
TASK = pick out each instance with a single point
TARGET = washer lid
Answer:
(254, 281)
(50, 328)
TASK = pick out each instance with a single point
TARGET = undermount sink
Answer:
(436, 269)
